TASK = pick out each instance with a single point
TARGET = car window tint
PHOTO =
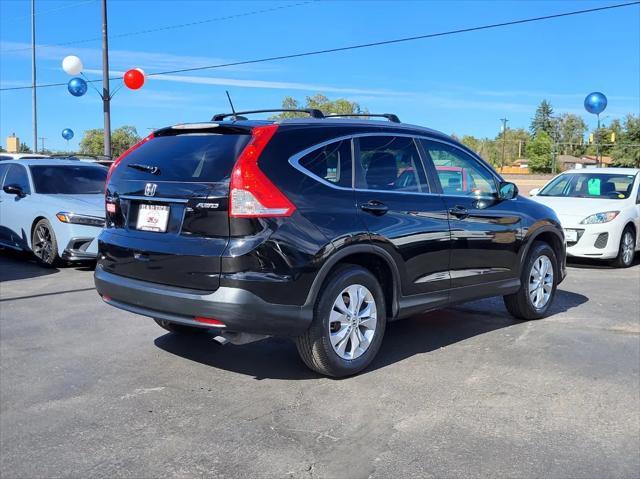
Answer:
(17, 175)
(331, 163)
(391, 163)
(68, 179)
(458, 172)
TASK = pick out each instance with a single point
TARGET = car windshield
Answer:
(590, 185)
(69, 179)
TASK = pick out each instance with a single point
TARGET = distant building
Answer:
(13, 144)
(606, 160)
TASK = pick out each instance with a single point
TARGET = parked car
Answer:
(54, 208)
(599, 209)
(21, 156)
(301, 228)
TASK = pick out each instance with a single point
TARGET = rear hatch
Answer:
(167, 206)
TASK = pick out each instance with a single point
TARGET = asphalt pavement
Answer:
(90, 391)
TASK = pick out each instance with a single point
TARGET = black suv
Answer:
(320, 229)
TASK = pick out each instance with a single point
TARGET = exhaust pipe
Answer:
(238, 338)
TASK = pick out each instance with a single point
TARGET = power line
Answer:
(367, 45)
(167, 27)
(51, 10)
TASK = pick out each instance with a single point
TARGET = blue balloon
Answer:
(67, 133)
(595, 102)
(77, 86)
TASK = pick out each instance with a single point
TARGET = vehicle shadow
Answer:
(16, 265)
(277, 358)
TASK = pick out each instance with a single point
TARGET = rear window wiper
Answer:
(154, 170)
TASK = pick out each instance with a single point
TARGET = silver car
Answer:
(52, 207)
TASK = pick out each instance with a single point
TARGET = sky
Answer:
(462, 84)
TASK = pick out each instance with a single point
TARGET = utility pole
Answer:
(34, 108)
(504, 138)
(42, 138)
(106, 96)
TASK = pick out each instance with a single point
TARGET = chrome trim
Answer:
(154, 198)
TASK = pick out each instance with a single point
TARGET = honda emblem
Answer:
(150, 189)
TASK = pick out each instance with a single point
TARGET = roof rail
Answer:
(393, 118)
(314, 113)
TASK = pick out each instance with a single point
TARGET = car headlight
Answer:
(80, 219)
(600, 218)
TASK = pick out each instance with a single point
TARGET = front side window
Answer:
(331, 163)
(391, 163)
(17, 176)
(590, 185)
(68, 179)
(458, 172)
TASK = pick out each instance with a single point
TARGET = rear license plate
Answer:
(153, 218)
(571, 235)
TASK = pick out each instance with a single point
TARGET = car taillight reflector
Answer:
(211, 321)
(111, 207)
(251, 193)
(115, 164)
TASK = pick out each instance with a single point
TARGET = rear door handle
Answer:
(375, 208)
(459, 211)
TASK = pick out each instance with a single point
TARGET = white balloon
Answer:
(72, 65)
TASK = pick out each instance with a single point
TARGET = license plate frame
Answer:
(154, 218)
(571, 236)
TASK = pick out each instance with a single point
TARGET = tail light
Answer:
(251, 193)
(115, 164)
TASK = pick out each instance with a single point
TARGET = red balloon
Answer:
(134, 78)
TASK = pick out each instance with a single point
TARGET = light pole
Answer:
(106, 97)
(34, 108)
(504, 139)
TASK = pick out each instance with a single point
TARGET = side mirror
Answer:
(508, 191)
(14, 190)
(534, 192)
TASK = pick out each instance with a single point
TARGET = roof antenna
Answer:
(233, 110)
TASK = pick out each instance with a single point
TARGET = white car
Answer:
(599, 209)
(54, 208)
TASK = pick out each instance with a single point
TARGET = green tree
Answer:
(319, 102)
(543, 119)
(539, 153)
(571, 134)
(122, 138)
(24, 148)
(626, 151)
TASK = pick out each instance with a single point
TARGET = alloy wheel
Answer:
(627, 247)
(353, 321)
(43, 245)
(541, 282)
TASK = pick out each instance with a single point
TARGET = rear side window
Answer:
(391, 163)
(68, 180)
(331, 163)
(17, 176)
(188, 157)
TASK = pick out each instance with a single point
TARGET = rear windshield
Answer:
(187, 157)
(68, 180)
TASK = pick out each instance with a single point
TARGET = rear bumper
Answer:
(239, 309)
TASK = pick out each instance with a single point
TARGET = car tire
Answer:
(626, 249)
(538, 283)
(179, 328)
(338, 344)
(44, 244)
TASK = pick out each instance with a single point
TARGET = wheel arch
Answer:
(549, 234)
(373, 258)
